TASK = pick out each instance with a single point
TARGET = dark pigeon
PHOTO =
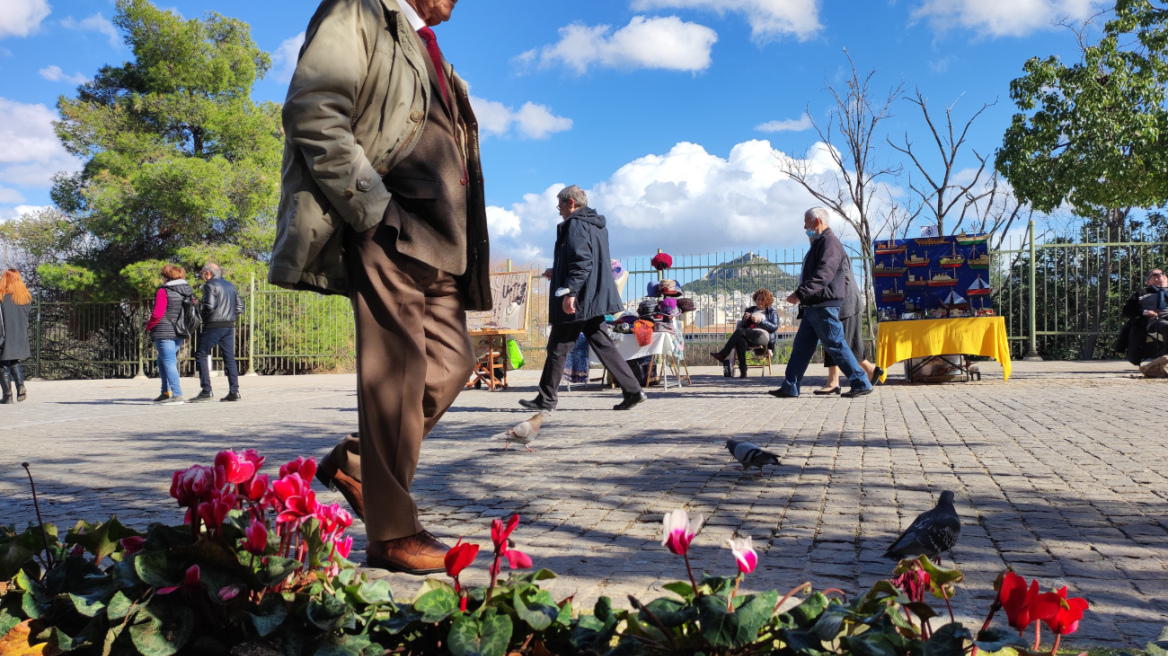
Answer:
(932, 533)
(750, 455)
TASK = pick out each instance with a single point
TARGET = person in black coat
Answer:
(583, 291)
(15, 303)
(1145, 335)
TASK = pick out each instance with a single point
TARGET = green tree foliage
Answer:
(1095, 134)
(180, 162)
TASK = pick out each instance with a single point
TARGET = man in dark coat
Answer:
(1144, 337)
(583, 291)
(820, 294)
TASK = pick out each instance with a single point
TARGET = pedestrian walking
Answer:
(15, 302)
(163, 327)
(382, 200)
(222, 305)
(583, 292)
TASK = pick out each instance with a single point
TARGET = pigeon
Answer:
(522, 433)
(750, 455)
(931, 534)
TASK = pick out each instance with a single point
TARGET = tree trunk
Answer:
(1102, 284)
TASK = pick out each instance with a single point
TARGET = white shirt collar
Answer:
(411, 15)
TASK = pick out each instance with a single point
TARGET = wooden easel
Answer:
(494, 358)
(497, 324)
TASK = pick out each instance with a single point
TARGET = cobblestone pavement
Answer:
(1059, 473)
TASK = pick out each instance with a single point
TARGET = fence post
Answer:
(660, 272)
(251, 369)
(1032, 309)
(141, 375)
(40, 328)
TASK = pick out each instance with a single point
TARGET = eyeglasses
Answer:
(1156, 274)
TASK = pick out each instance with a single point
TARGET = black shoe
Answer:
(834, 390)
(631, 400)
(233, 396)
(534, 405)
(853, 393)
(162, 397)
(876, 374)
(21, 394)
(203, 396)
(780, 394)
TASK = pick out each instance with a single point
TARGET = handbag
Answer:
(514, 354)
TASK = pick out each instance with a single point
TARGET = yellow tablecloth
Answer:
(901, 340)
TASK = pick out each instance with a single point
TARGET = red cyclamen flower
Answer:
(254, 490)
(517, 559)
(680, 531)
(253, 456)
(238, 470)
(214, 511)
(195, 484)
(132, 544)
(1023, 605)
(296, 499)
(343, 547)
(460, 556)
(306, 467)
(913, 583)
(189, 581)
(500, 533)
(257, 538)
(1066, 620)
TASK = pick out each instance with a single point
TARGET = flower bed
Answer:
(260, 567)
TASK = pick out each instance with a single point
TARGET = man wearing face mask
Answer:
(820, 294)
(382, 200)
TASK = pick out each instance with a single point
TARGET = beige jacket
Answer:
(356, 107)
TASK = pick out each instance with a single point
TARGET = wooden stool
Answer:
(762, 356)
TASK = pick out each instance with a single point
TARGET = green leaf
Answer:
(594, 632)
(399, 621)
(89, 605)
(327, 612)
(671, 612)
(921, 610)
(948, 640)
(161, 629)
(119, 606)
(273, 611)
(537, 576)
(827, 628)
(374, 592)
(996, 639)
(716, 585)
(806, 613)
(344, 645)
(157, 569)
(276, 569)
(99, 540)
(805, 643)
(539, 611)
(681, 589)
(873, 643)
(470, 636)
(942, 582)
(33, 609)
(436, 605)
(739, 628)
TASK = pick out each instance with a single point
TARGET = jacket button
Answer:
(363, 184)
(416, 115)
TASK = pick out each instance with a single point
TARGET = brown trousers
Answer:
(413, 358)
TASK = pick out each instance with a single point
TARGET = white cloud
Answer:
(997, 18)
(768, 18)
(30, 152)
(787, 125)
(10, 196)
(9, 213)
(682, 201)
(95, 23)
(666, 43)
(285, 57)
(55, 74)
(22, 17)
(532, 121)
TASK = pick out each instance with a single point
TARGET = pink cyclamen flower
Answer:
(306, 467)
(913, 583)
(744, 555)
(333, 518)
(257, 538)
(195, 484)
(296, 499)
(237, 470)
(214, 511)
(254, 489)
(680, 531)
(253, 456)
(189, 581)
(343, 547)
(517, 559)
(500, 533)
(229, 592)
(132, 544)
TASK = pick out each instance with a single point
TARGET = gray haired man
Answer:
(222, 305)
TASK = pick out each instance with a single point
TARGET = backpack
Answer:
(190, 318)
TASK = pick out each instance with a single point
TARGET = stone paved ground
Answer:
(1060, 473)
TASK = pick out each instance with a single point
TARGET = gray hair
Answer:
(818, 213)
(212, 269)
(575, 194)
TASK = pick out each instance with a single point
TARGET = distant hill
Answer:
(744, 274)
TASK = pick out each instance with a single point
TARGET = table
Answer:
(662, 346)
(901, 340)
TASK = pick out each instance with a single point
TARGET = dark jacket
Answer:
(581, 264)
(15, 330)
(222, 304)
(823, 281)
(1132, 340)
(175, 291)
(770, 322)
(854, 300)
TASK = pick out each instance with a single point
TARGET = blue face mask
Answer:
(812, 233)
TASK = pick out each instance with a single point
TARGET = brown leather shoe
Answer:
(420, 553)
(349, 487)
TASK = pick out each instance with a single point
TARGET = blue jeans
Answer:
(224, 338)
(168, 364)
(822, 325)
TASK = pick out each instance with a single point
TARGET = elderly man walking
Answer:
(382, 200)
(822, 290)
(583, 292)
(222, 305)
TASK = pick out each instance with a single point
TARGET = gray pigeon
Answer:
(750, 455)
(932, 533)
(522, 433)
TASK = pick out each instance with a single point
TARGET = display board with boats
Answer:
(933, 277)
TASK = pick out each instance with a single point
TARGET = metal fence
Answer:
(1061, 299)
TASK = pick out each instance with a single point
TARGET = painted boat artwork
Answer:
(979, 288)
(952, 261)
(889, 270)
(942, 280)
(892, 295)
(969, 240)
(954, 301)
(914, 281)
(982, 261)
(915, 260)
(890, 248)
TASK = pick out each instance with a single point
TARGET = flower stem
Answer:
(1057, 639)
(494, 578)
(692, 580)
(948, 605)
(36, 504)
(986, 625)
(733, 593)
(1037, 635)
(792, 593)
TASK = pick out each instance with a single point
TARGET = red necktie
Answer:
(431, 40)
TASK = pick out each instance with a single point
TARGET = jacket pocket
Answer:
(415, 188)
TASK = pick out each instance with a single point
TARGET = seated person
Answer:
(756, 329)
(1144, 338)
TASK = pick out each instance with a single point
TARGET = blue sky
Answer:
(658, 108)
